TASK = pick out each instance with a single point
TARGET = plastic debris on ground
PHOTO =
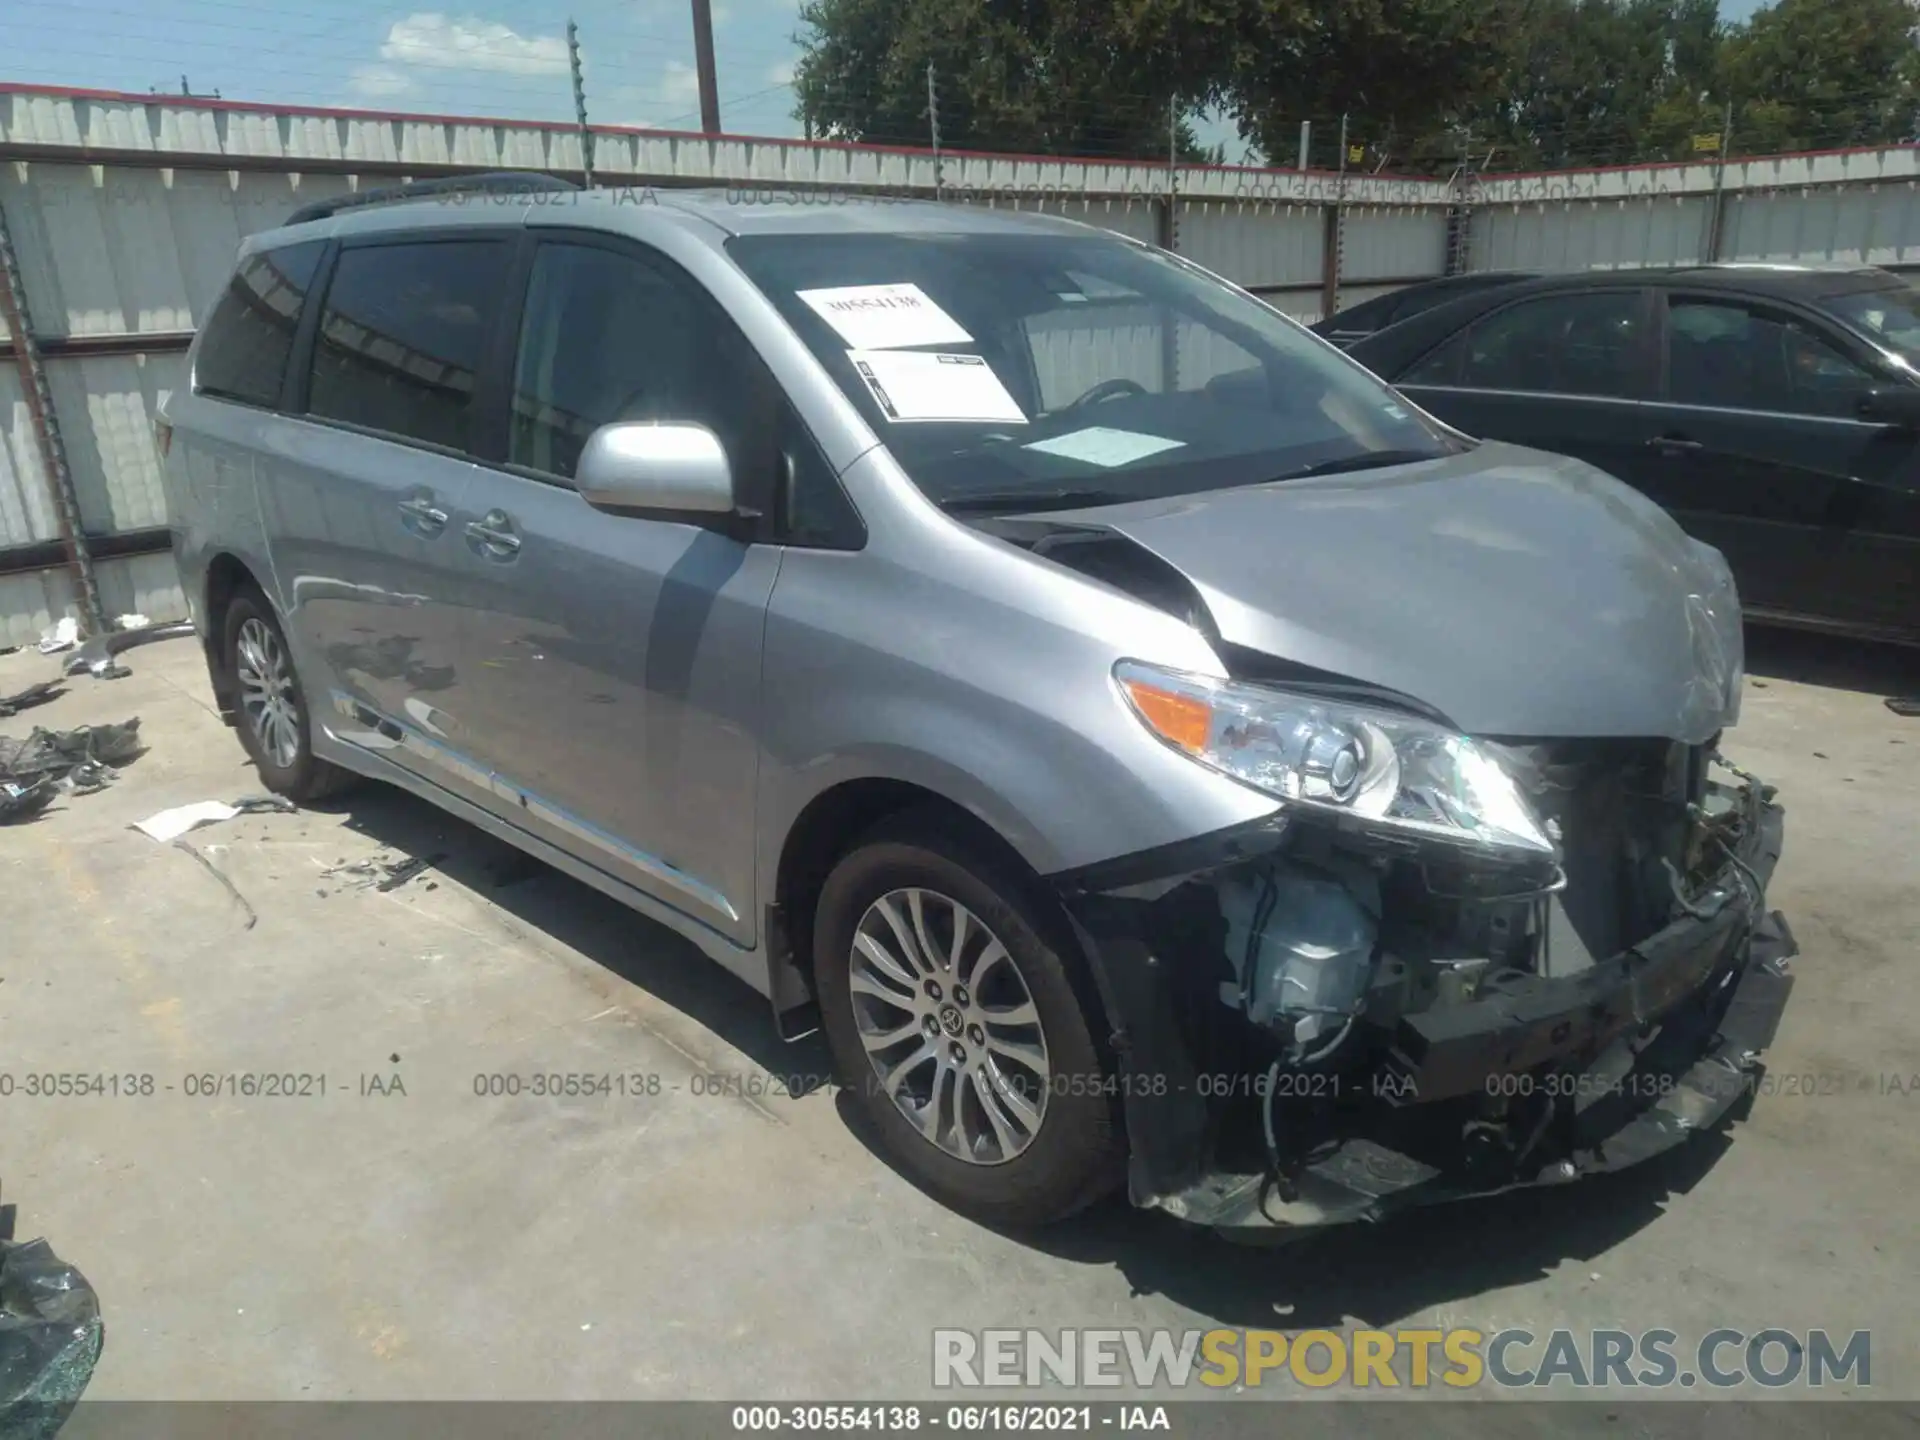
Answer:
(171, 824)
(50, 1338)
(31, 696)
(96, 657)
(63, 636)
(381, 875)
(50, 763)
(131, 622)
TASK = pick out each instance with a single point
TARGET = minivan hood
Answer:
(1520, 594)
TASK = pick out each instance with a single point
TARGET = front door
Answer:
(1565, 372)
(615, 660)
(1760, 451)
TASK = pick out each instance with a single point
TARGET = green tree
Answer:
(1602, 82)
(1039, 76)
(1399, 70)
(1814, 74)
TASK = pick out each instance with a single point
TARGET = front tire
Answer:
(274, 717)
(955, 1023)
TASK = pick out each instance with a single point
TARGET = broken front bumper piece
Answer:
(1533, 1079)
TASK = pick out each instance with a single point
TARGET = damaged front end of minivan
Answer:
(1450, 967)
(1507, 924)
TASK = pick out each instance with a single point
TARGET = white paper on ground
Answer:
(1099, 445)
(172, 824)
(63, 636)
(912, 385)
(885, 317)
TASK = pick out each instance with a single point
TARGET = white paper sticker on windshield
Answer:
(885, 317)
(912, 385)
(1099, 445)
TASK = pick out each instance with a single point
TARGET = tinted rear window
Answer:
(249, 337)
(401, 336)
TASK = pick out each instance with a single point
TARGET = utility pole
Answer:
(580, 104)
(1717, 217)
(933, 126)
(1306, 141)
(1335, 235)
(703, 62)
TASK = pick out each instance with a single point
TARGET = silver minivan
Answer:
(1153, 751)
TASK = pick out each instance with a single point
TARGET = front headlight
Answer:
(1393, 771)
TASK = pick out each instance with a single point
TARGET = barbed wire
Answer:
(644, 78)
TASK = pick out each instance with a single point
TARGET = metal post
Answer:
(46, 430)
(933, 126)
(580, 103)
(1170, 230)
(703, 63)
(1717, 215)
(1335, 239)
(1306, 140)
(1167, 219)
(1460, 210)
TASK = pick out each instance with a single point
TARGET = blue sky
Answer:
(477, 58)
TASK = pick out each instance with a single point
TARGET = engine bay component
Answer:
(1302, 948)
(1351, 1027)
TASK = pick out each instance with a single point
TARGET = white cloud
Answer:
(781, 73)
(376, 82)
(442, 42)
(673, 101)
(679, 84)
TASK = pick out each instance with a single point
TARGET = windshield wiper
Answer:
(1010, 502)
(1366, 460)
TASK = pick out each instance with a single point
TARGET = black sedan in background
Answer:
(1775, 411)
(1356, 322)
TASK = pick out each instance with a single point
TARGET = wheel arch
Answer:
(227, 575)
(833, 820)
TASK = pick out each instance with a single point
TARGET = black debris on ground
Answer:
(49, 763)
(50, 1338)
(378, 873)
(33, 695)
(398, 875)
(1907, 705)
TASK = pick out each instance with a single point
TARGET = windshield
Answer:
(1028, 371)
(1891, 316)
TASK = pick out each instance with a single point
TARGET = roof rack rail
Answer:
(494, 182)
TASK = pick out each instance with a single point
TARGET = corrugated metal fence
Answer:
(125, 212)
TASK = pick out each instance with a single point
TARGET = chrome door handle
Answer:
(1674, 445)
(425, 511)
(494, 533)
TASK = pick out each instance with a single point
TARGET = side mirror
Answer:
(1897, 405)
(636, 466)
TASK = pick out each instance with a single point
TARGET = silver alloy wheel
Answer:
(267, 695)
(949, 1026)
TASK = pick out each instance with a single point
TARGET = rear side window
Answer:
(248, 338)
(402, 334)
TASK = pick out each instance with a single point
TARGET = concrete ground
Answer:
(436, 1243)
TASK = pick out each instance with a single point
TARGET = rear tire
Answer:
(973, 1059)
(273, 715)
